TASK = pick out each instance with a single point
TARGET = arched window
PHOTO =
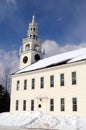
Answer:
(27, 47)
(34, 29)
(34, 36)
(36, 47)
(30, 36)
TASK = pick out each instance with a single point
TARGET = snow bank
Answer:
(41, 120)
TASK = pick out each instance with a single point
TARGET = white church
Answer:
(54, 85)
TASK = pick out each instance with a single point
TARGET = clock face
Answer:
(25, 59)
(37, 57)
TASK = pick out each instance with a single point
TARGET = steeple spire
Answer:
(33, 19)
(33, 29)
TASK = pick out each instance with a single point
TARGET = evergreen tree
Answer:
(4, 100)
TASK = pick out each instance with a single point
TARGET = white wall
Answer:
(68, 91)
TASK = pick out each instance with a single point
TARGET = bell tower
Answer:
(30, 51)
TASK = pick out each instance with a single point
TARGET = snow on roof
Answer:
(68, 57)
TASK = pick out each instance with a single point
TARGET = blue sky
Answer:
(62, 28)
(63, 21)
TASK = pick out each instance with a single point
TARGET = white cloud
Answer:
(53, 48)
(9, 61)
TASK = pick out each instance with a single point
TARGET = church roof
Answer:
(64, 58)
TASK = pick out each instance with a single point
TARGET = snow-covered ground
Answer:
(42, 120)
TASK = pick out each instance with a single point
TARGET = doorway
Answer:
(42, 104)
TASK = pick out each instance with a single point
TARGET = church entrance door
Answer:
(42, 104)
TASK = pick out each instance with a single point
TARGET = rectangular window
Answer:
(32, 105)
(25, 84)
(73, 78)
(42, 82)
(18, 84)
(61, 79)
(51, 104)
(24, 105)
(51, 81)
(62, 100)
(33, 83)
(17, 105)
(74, 102)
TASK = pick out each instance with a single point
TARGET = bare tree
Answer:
(6, 79)
(9, 62)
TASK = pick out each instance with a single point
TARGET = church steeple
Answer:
(33, 29)
(31, 48)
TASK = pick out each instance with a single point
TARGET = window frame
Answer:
(27, 47)
(24, 105)
(62, 104)
(74, 78)
(17, 85)
(30, 36)
(33, 83)
(62, 83)
(25, 84)
(34, 29)
(51, 80)
(51, 104)
(74, 104)
(34, 36)
(42, 82)
(17, 105)
(32, 105)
